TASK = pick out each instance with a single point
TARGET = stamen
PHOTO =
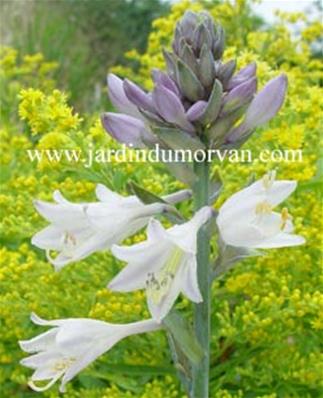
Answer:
(284, 218)
(69, 243)
(263, 208)
(69, 238)
(268, 179)
(158, 285)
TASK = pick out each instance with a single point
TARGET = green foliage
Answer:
(85, 37)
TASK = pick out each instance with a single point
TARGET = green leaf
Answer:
(188, 82)
(214, 104)
(215, 186)
(146, 197)
(143, 195)
(181, 362)
(91, 382)
(182, 171)
(177, 139)
(188, 57)
(222, 126)
(206, 67)
(184, 337)
(134, 370)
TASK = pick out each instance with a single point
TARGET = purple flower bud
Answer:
(239, 96)
(244, 74)
(118, 96)
(196, 110)
(267, 102)
(170, 108)
(188, 24)
(201, 37)
(225, 71)
(137, 96)
(263, 107)
(161, 78)
(125, 129)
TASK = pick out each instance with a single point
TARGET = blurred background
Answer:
(87, 37)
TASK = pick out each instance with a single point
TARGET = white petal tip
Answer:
(22, 344)
(37, 203)
(37, 320)
(58, 197)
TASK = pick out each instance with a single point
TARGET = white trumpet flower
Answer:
(71, 345)
(78, 230)
(165, 264)
(246, 219)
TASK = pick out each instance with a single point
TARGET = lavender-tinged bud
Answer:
(118, 96)
(125, 129)
(137, 96)
(244, 74)
(170, 108)
(224, 72)
(263, 107)
(161, 78)
(239, 96)
(267, 102)
(187, 25)
(196, 111)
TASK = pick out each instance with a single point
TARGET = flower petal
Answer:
(190, 286)
(242, 75)
(185, 235)
(170, 108)
(62, 214)
(119, 98)
(267, 102)
(281, 240)
(138, 97)
(40, 342)
(161, 78)
(196, 110)
(280, 190)
(125, 129)
(50, 237)
(143, 258)
(239, 96)
(104, 194)
(160, 309)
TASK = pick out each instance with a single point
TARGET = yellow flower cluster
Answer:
(45, 114)
(13, 66)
